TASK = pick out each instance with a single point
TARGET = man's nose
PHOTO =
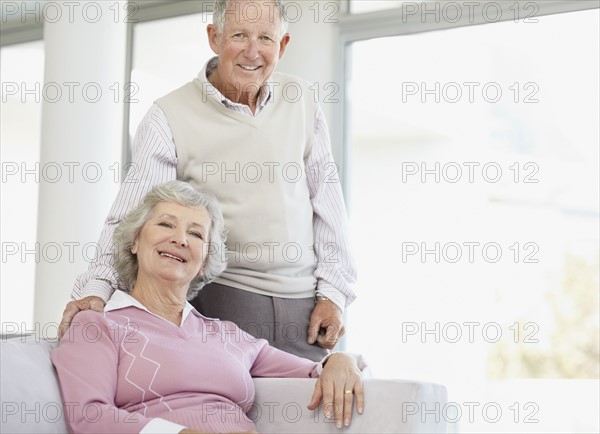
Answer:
(251, 51)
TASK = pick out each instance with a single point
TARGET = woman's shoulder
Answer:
(88, 316)
(86, 325)
(125, 317)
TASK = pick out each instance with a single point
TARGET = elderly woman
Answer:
(150, 362)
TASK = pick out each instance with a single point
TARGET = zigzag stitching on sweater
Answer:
(226, 341)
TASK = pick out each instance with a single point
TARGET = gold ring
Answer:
(347, 391)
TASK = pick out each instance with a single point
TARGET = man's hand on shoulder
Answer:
(326, 326)
(73, 307)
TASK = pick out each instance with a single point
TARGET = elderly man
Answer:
(256, 140)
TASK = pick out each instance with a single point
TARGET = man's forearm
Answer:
(335, 270)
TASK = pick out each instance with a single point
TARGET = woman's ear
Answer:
(134, 248)
(202, 268)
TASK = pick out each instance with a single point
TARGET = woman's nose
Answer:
(179, 238)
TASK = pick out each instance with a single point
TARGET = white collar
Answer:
(121, 299)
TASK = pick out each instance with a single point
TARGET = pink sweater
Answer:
(120, 369)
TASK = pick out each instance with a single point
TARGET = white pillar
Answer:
(315, 35)
(81, 146)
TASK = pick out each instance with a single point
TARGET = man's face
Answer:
(249, 46)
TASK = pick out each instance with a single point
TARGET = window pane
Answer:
(474, 211)
(22, 72)
(167, 54)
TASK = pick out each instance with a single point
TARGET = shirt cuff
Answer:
(338, 298)
(99, 288)
(161, 426)
(321, 363)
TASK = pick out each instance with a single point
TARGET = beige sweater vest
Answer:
(255, 167)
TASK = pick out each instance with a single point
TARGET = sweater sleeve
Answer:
(272, 362)
(86, 362)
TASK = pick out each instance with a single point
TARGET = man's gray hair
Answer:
(278, 9)
(182, 193)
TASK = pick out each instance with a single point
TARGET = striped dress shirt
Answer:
(155, 162)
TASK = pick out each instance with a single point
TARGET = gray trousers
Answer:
(281, 321)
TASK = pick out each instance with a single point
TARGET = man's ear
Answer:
(213, 38)
(283, 43)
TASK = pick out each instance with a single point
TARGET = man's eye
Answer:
(238, 35)
(266, 38)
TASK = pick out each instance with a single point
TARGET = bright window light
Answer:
(167, 54)
(474, 213)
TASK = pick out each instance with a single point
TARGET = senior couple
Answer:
(132, 346)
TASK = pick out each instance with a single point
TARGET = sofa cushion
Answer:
(29, 389)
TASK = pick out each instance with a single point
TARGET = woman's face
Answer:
(173, 244)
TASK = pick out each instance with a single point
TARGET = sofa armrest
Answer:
(391, 406)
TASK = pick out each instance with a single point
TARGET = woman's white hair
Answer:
(182, 193)
(221, 6)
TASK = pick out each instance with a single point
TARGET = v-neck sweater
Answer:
(120, 369)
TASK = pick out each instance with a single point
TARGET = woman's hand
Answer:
(337, 386)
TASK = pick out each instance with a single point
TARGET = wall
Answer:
(312, 55)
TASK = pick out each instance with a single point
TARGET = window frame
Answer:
(352, 28)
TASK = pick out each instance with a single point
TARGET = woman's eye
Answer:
(197, 235)
(165, 225)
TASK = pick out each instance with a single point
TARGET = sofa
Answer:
(31, 402)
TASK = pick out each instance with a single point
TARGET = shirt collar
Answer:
(121, 299)
(265, 93)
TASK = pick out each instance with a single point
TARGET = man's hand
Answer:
(326, 326)
(339, 384)
(92, 302)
